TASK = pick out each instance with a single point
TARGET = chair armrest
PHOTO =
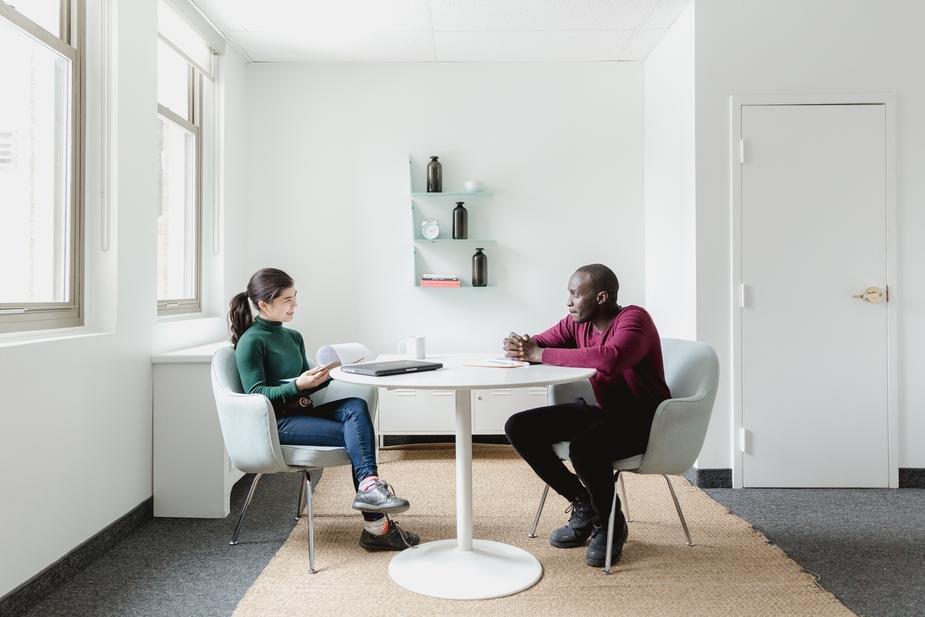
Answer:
(677, 434)
(249, 431)
(337, 390)
(568, 392)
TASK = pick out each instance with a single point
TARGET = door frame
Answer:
(736, 103)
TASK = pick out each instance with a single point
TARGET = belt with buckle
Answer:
(296, 404)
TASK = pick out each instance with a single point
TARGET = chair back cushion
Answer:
(247, 420)
(680, 423)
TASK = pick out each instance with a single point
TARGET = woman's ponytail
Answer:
(265, 286)
(239, 317)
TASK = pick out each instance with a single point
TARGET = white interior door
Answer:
(814, 379)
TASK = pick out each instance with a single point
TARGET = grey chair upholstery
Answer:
(678, 428)
(248, 425)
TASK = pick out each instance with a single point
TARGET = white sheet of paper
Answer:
(346, 353)
(496, 363)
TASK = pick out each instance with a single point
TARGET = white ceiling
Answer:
(443, 30)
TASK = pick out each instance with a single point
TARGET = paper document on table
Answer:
(496, 363)
(341, 353)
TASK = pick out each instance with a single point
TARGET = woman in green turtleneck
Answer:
(267, 354)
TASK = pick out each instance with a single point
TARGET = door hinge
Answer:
(741, 150)
(743, 435)
(743, 295)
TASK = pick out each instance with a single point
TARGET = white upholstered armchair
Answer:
(249, 430)
(678, 429)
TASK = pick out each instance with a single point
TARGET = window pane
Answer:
(172, 80)
(176, 226)
(46, 13)
(34, 170)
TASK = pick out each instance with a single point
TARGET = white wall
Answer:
(670, 277)
(75, 432)
(792, 47)
(236, 177)
(75, 424)
(560, 144)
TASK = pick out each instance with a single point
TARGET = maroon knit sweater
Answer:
(627, 355)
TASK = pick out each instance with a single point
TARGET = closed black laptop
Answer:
(394, 367)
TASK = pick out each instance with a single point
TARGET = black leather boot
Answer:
(579, 526)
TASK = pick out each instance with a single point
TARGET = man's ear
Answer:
(602, 297)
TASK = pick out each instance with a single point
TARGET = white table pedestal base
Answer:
(490, 570)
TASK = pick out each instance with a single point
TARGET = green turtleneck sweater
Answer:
(266, 354)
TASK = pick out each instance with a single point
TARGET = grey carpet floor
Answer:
(867, 546)
(172, 566)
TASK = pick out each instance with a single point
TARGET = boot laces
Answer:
(575, 508)
(401, 533)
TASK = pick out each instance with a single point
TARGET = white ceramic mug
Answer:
(412, 347)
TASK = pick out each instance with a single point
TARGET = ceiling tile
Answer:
(533, 46)
(464, 30)
(336, 46)
(225, 14)
(539, 14)
(299, 15)
(666, 13)
(644, 41)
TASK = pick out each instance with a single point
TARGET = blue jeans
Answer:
(344, 424)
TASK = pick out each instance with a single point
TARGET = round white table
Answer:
(466, 569)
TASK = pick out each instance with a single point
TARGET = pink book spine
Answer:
(439, 283)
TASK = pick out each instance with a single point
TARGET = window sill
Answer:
(32, 337)
(184, 317)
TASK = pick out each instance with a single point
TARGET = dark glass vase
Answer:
(460, 221)
(479, 269)
(434, 176)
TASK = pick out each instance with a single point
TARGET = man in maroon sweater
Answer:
(623, 345)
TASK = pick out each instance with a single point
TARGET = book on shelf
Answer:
(427, 276)
(439, 283)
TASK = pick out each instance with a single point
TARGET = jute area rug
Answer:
(730, 570)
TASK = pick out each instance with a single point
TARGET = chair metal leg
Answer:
(610, 524)
(247, 502)
(301, 504)
(677, 506)
(536, 519)
(626, 501)
(307, 485)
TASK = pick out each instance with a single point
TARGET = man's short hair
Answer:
(602, 279)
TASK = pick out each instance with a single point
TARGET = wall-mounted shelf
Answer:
(432, 255)
(463, 194)
(452, 241)
(456, 288)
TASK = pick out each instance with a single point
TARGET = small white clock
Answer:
(430, 229)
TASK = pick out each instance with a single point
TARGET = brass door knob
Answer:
(873, 295)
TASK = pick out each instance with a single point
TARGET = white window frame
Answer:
(177, 306)
(23, 316)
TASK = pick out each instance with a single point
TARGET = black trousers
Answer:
(597, 439)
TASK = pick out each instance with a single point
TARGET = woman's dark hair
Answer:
(266, 285)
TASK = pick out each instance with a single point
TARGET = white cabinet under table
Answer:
(404, 411)
(192, 473)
